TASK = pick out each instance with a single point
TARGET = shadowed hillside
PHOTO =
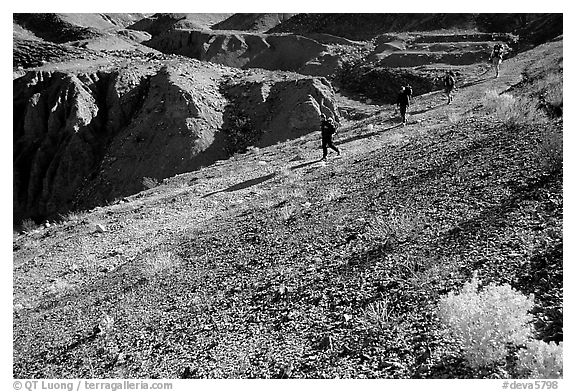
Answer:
(174, 218)
(252, 22)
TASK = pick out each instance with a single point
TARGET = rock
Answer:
(100, 228)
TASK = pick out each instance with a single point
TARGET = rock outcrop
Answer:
(276, 108)
(252, 22)
(159, 23)
(249, 50)
(86, 138)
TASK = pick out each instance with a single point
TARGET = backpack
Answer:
(408, 90)
(329, 126)
(333, 125)
(498, 51)
(449, 81)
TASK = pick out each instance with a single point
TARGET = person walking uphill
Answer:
(449, 85)
(403, 102)
(327, 128)
(496, 57)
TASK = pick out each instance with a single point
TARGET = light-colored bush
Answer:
(29, 225)
(540, 360)
(378, 314)
(150, 183)
(287, 212)
(454, 117)
(492, 100)
(511, 110)
(332, 194)
(486, 321)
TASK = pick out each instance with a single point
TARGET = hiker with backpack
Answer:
(403, 101)
(496, 57)
(409, 92)
(449, 85)
(328, 129)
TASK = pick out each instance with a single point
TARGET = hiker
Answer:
(496, 57)
(403, 102)
(327, 128)
(449, 85)
(409, 92)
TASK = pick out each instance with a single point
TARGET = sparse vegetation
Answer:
(551, 93)
(487, 321)
(287, 212)
(378, 314)
(272, 264)
(74, 216)
(550, 150)
(150, 183)
(397, 227)
(29, 225)
(453, 116)
(158, 263)
(513, 111)
(333, 193)
(540, 360)
(241, 133)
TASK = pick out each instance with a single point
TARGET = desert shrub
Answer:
(454, 117)
(73, 216)
(551, 92)
(28, 225)
(486, 321)
(240, 133)
(513, 111)
(287, 213)
(149, 183)
(158, 263)
(398, 227)
(332, 194)
(378, 314)
(540, 360)
(549, 152)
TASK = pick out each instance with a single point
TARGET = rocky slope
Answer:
(367, 26)
(246, 50)
(159, 23)
(420, 59)
(252, 22)
(272, 264)
(55, 28)
(43, 38)
(84, 137)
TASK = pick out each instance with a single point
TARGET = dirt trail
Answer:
(260, 262)
(183, 207)
(155, 216)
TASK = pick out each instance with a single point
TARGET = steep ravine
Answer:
(86, 138)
